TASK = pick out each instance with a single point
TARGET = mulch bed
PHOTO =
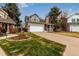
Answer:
(19, 40)
(20, 37)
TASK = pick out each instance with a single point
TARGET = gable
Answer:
(34, 18)
(4, 18)
(73, 18)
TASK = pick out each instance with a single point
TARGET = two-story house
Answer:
(34, 23)
(6, 22)
(73, 22)
(47, 25)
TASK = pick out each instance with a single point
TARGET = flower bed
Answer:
(20, 37)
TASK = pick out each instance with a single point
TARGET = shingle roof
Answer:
(37, 22)
(8, 20)
(33, 15)
(74, 13)
(3, 11)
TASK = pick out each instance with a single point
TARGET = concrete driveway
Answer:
(72, 43)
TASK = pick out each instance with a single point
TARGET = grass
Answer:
(72, 34)
(37, 46)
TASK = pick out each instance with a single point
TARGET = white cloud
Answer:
(22, 5)
(70, 10)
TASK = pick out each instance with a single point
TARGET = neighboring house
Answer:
(73, 22)
(48, 26)
(70, 23)
(61, 26)
(34, 23)
(6, 22)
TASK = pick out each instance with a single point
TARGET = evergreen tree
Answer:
(53, 14)
(13, 12)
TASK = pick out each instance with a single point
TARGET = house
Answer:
(61, 26)
(34, 23)
(6, 22)
(73, 22)
(47, 24)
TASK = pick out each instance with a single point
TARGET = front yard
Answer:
(72, 34)
(36, 46)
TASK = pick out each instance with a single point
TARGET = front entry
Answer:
(4, 26)
(49, 27)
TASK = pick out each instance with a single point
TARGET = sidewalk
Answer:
(9, 36)
(2, 53)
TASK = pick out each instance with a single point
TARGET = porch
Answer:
(49, 27)
(9, 28)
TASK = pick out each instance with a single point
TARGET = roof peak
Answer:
(3, 11)
(74, 13)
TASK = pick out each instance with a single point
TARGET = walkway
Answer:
(2, 53)
(72, 43)
(9, 36)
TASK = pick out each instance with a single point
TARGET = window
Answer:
(77, 20)
(1, 15)
(37, 20)
(34, 20)
(73, 20)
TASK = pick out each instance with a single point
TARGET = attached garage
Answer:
(74, 27)
(73, 22)
(36, 27)
(34, 23)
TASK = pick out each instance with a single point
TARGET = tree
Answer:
(13, 12)
(64, 23)
(53, 14)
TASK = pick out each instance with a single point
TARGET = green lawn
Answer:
(72, 34)
(37, 46)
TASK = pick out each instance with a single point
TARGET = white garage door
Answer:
(74, 27)
(36, 28)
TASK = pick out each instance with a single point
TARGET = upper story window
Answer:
(34, 20)
(77, 20)
(3, 16)
(73, 20)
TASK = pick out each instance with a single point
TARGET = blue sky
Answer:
(42, 9)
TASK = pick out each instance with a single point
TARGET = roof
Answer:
(75, 13)
(33, 15)
(40, 21)
(37, 22)
(8, 20)
(3, 11)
